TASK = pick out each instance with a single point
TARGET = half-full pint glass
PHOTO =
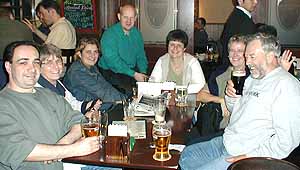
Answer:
(238, 78)
(162, 137)
(90, 126)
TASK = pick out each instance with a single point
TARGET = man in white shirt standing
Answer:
(62, 33)
(264, 120)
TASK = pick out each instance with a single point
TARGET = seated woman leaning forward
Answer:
(177, 65)
(83, 78)
(51, 71)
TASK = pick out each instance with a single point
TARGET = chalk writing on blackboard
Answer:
(80, 13)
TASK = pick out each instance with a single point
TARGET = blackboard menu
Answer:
(81, 13)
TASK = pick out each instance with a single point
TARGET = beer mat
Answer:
(143, 110)
(177, 147)
(136, 128)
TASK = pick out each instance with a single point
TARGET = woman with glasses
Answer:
(52, 70)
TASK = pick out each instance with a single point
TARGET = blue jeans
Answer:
(209, 155)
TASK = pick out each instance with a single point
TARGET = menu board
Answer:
(81, 13)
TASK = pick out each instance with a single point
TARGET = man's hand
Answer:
(85, 146)
(236, 158)
(29, 24)
(285, 60)
(230, 91)
(140, 77)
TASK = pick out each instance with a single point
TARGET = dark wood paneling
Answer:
(153, 52)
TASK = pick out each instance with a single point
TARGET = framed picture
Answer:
(285, 16)
(157, 18)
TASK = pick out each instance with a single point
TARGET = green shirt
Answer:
(28, 119)
(172, 76)
(123, 53)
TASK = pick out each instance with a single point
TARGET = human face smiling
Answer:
(89, 55)
(236, 54)
(176, 49)
(52, 68)
(127, 18)
(256, 60)
(24, 70)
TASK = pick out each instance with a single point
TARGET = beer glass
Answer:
(90, 126)
(159, 108)
(128, 109)
(238, 78)
(103, 119)
(181, 96)
(161, 134)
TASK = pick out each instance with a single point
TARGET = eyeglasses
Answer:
(52, 62)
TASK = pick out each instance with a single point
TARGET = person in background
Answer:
(38, 127)
(200, 35)
(11, 29)
(51, 71)
(43, 27)
(264, 118)
(123, 56)
(62, 33)
(177, 65)
(239, 22)
(83, 78)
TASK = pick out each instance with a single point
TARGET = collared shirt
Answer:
(245, 11)
(62, 34)
(123, 53)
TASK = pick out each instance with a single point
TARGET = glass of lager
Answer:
(181, 96)
(90, 126)
(162, 136)
(238, 78)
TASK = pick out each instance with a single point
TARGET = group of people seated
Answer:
(40, 107)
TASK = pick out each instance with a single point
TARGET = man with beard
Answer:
(264, 120)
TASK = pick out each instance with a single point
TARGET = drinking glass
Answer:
(238, 78)
(103, 119)
(90, 126)
(161, 134)
(159, 108)
(128, 109)
(181, 96)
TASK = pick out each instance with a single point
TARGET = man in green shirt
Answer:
(123, 60)
(38, 127)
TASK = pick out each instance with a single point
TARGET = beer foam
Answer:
(239, 73)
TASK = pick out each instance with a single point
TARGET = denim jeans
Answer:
(209, 155)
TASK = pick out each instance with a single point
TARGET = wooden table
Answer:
(141, 156)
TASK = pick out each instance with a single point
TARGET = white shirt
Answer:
(244, 10)
(265, 120)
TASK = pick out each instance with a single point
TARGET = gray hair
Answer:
(269, 43)
(48, 50)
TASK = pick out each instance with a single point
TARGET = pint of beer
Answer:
(90, 126)
(238, 78)
(162, 137)
(90, 129)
